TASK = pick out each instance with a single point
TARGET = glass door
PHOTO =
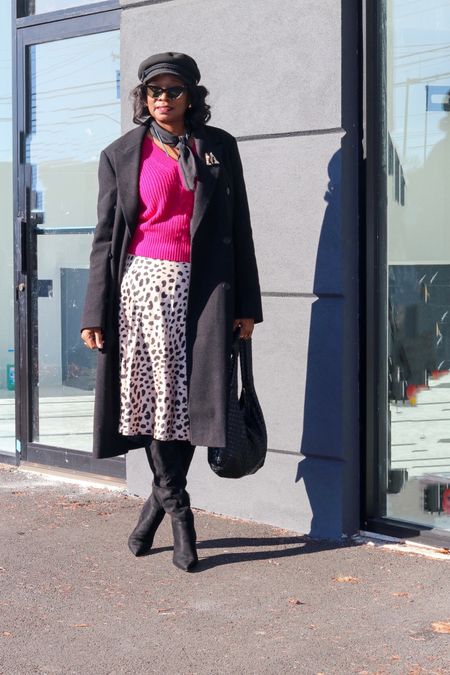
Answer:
(411, 353)
(418, 239)
(70, 112)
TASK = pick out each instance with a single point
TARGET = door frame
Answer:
(27, 31)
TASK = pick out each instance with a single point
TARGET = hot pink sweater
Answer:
(165, 208)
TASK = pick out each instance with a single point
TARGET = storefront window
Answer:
(7, 380)
(418, 224)
(27, 7)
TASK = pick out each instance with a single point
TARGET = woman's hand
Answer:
(92, 337)
(246, 326)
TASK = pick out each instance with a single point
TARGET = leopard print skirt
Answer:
(152, 333)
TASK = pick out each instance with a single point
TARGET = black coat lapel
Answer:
(128, 159)
(207, 150)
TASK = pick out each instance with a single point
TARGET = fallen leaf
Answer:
(401, 594)
(352, 580)
(440, 626)
(162, 610)
(295, 601)
(80, 625)
(6, 633)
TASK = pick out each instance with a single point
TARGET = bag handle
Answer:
(234, 365)
(245, 354)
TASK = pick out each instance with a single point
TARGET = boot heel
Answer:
(184, 540)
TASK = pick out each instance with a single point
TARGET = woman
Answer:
(172, 274)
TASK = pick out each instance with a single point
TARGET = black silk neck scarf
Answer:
(187, 160)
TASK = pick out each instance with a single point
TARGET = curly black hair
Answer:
(197, 115)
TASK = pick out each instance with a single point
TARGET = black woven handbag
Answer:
(246, 447)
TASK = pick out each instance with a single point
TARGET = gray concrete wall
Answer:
(274, 75)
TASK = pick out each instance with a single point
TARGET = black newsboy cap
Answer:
(174, 63)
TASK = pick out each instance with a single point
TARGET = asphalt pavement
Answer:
(73, 599)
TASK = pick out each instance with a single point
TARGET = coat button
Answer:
(226, 285)
(226, 240)
(228, 191)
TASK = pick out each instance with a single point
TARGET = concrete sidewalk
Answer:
(75, 601)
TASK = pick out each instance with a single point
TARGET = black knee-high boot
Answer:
(184, 541)
(170, 491)
(140, 540)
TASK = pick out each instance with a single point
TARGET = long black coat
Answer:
(223, 281)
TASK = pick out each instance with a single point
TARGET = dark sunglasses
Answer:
(172, 92)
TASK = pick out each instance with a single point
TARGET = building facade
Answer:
(341, 114)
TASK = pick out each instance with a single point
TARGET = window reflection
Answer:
(418, 168)
(28, 7)
(7, 374)
(73, 113)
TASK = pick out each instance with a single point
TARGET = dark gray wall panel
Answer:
(294, 194)
(289, 491)
(280, 346)
(298, 373)
(270, 67)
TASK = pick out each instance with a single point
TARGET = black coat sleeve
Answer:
(248, 294)
(94, 311)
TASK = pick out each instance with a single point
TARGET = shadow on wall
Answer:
(321, 441)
